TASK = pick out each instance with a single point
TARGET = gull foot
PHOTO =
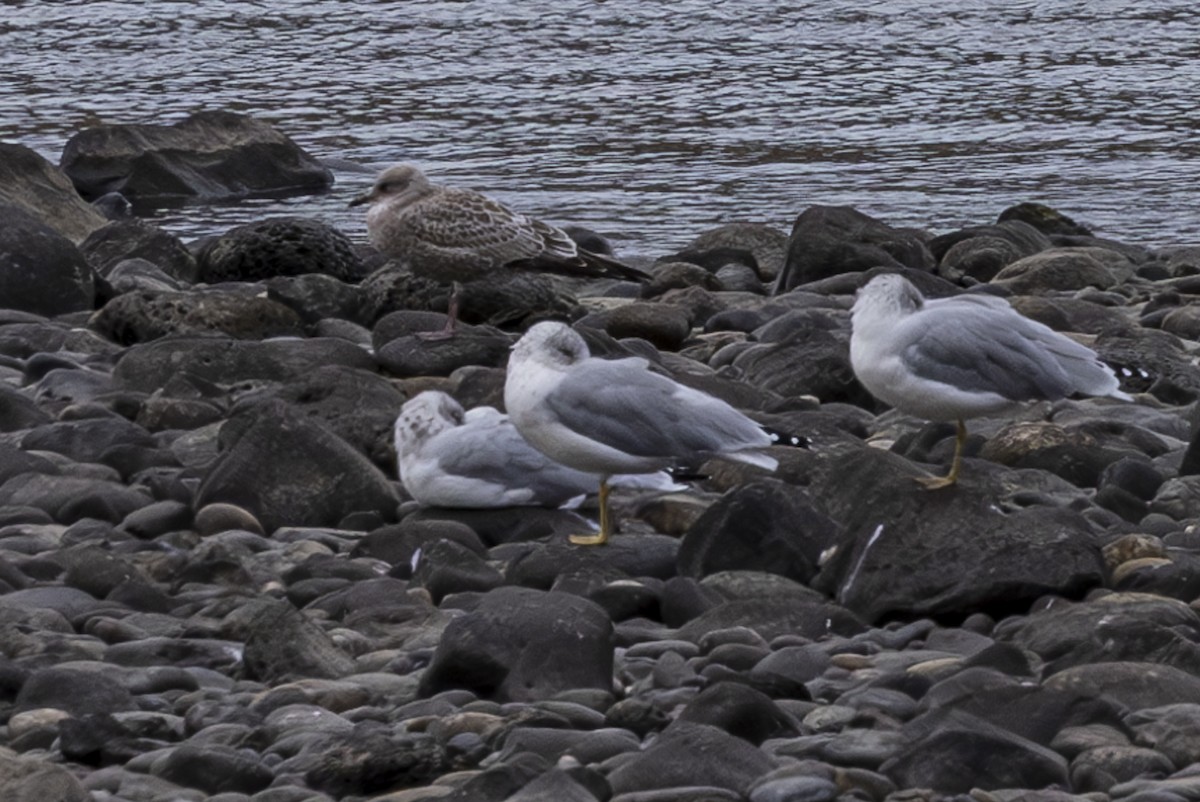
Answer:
(936, 482)
(598, 539)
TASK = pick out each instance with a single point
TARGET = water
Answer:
(651, 122)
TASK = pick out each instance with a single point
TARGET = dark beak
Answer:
(366, 197)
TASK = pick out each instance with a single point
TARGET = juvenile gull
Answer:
(449, 457)
(950, 359)
(454, 235)
(608, 417)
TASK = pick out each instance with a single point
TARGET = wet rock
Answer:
(121, 240)
(665, 327)
(903, 547)
(981, 252)
(213, 769)
(679, 275)
(76, 692)
(142, 316)
(488, 649)
(41, 271)
(1044, 218)
(691, 754)
(411, 355)
(224, 361)
(35, 186)
(38, 780)
(280, 246)
(1136, 685)
(766, 245)
(764, 525)
(282, 644)
(830, 240)
(210, 155)
(953, 752)
(359, 406)
(1056, 269)
(288, 470)
(740, 711)
(316, 297)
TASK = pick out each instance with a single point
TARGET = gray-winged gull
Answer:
(451, 457)
(608, 417)
(453, 235)
(950, 359)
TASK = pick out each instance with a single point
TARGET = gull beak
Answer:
(366, 197)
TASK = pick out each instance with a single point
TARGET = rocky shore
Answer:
(213, 586)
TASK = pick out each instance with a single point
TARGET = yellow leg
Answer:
(936, 482)
(601, 537)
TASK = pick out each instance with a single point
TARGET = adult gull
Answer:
(951, 359)
(607, 417)
(451, 457)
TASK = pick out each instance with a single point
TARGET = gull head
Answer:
(399, 184)
(888, 295)
(551, 343)
(423, 416)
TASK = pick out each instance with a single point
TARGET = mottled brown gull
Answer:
(950, 359)
(609, 417)
(453, 234)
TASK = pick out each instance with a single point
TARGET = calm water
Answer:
(653, 121)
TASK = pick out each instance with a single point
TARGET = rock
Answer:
(224, 361)
(211, 155)
(37, 780)
(771, 617)
(76, 692)
(370, 760)
(953, 752)
(663, 326)
(142, 316)
(288, 470)
(488, 649)
(1101, 768)
(214, 769)
(17, 412)
(1056, 269)
(1044, 218)
(980, 252)
(678, 275)
(1135, 685)
(632, 555)
(691, 754)
(830, 240)
(740, 711)
(766, 245)
(904, 549)
(446, 567)
(118, 241)
(282, 644)
(556, 785)
(87, 440)
(280, 246)
(1114, 627)
(41, 271)
(360, 406)
(1172, 730)
(38, 188)
(69, 499)
(410, 355)
(764, 525)
(316, 297)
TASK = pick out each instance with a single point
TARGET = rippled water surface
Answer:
(653, 121)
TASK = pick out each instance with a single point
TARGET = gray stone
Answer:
(37, 187)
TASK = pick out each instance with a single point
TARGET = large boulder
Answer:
(36, 186)
(521, 644)
(146, 315)
(281, 246)
(908, 551)
(289, 470)
(41, 271)
(829, 240)
(211, 155)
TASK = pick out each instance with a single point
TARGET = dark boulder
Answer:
(280, 246)
(145, 315)
(829, 240)
(37, 187)
(137, 239)
(41, 271)
(289, 470)
(211, 155)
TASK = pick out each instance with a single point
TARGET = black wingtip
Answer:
(787, 438)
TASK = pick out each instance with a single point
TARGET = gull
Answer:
(951, 359)
(454, 235)
(608, 417)
(451, 457)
